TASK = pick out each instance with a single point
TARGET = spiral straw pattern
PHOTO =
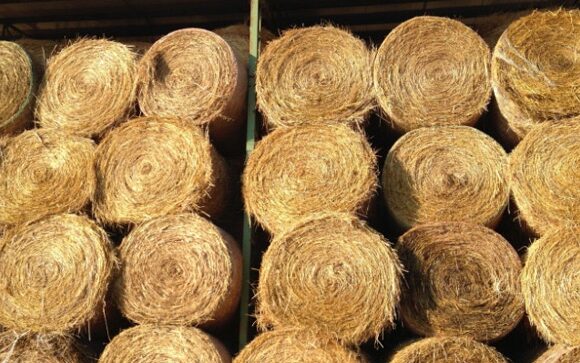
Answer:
(560, 354)
(432, 71)
(297, 172)
(160, 343)
(446, 173)
(45, 172)
(332, 275)
(535, 70)
(178, 269)
(15, 348)
(152, 166)
(462, 279)
(17, 86)
(551, 285)
(88, 87)
(545, 172)
(447, 350)
(295, 346)
(55, 274)
(316, 75)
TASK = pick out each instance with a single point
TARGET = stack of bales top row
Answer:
(144, 175)
(447, 181)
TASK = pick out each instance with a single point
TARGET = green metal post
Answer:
(255, 25)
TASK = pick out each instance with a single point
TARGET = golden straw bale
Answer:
(462, 279)
(161, 343)
(44, 172)
(332, 275)
(446, 173)
(535, 70)
(238, 37)
(560, 354)
(17, 86)
(545, 177)
(15, 348)
(88, 87)
(179, 269)
(152, 166)
(55, 274)
(296, 172)
(447, 350)
(432, 71)
(316, 75)
(295, 346)
(551, 285)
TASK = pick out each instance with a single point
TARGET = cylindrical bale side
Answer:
(238, 37)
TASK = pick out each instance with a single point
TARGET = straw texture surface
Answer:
(238, 37)
(39, 51)
(15, 348)
(560, 354)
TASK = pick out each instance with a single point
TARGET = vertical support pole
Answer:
(255, 25)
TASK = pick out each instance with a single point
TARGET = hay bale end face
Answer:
(432, 71)
(535, 70)
(289, 345)
(461, 279)
(17, 86)
(307, 281)
(446, 173)
(44, 172)
(88, 87)
(544, 177)
(550, 285)
(156, 343)
(179, 269)
(560, 354)
(298, 172)
(55, 274)
(447, 350)
(152, 166)
(316, 75)
(15, 348)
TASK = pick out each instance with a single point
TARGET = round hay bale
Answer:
(193, 74)
(432, 71)
(560, 354)
(446, 173)
(447, 350)
(45, 172)
(300, 346)
(15, 348)
(462, 279)
(180, 270)
(88, 87)
(151, 166)
(535, 70)
(17, 86)
(316, 75)
(332, 275)
(544, 173)
(297, 172)
(55, 274)
(238, 37)
(160, 343)
(551, 285)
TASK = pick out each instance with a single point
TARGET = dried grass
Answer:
(551, 285)
(39, 51)
(462, 280)
(297, 172)
(432, 71)
(45, 172)
(295, 346)
(181, 270)
(193, 74)
(535, 71)
(152, 166)
(88, 87)
(560, 354)
(160, 343)
(447, 350)
(545, 180)
(316, 75)
(331, 275)
(238, 37)
(17, 86)
(55, 274)
(15, 348)
(446, 173)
